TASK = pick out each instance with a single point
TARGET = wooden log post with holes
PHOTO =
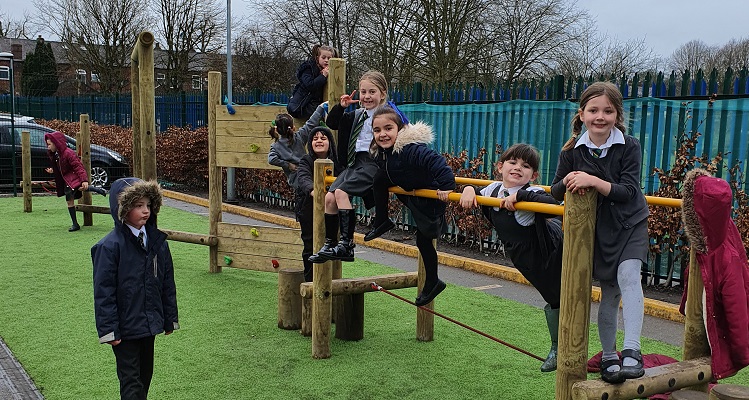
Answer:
(83, 147)
(574, 313)
(26, 170)
(135, 113)
(214, 171)
(142, 59)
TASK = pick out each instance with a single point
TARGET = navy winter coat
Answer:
(134, 291)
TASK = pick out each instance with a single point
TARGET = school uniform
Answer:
(360, 170)
(533, 241)
(411, 164)
(621, 217)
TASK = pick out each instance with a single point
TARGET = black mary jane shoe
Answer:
(611, 377)
(74, 227)
(379, 230)
(634, 371)
(426, 298)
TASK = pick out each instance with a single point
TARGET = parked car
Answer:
(106, 165)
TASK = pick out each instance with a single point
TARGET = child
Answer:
(312, 75)
(135, 297)
(360, 175)
(606, 160)
(71, 178)
(706, 212)
(402, 152)
(320, 145)
(289, 146)
(533, 241)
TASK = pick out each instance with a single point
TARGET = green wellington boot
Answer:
(552, 322)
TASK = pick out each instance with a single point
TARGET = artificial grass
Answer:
(230, 347)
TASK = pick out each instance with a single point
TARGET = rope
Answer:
(379, 288)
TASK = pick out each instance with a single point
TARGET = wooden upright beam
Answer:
(214, 172)
(322, 276)
(25, 169)
(574, 313)
(83, 147)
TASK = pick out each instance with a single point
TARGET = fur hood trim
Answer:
(418, 132)
(126, 191)
(692, 225)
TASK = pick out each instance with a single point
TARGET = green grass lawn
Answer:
(230, 347)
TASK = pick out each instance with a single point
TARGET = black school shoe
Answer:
(74, 227)
(634, 371)
(379, 230)
(426, 298)
(612, 377)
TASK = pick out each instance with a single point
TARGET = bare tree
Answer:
(16, 28)
(692, 56)
(390, 22)
(98, 35)
(627, 57)
(532, 33)
(445, 39)
(734, 54)
(256, 52)
(187, 27)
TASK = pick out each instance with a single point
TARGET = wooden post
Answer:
(577, 267)
(349, 322)
(306, 317)
(146, 82)
(135, 112)
(335, 87)
(695, 335)
(25, 169)
(322, 276)
(424, 319)
(289, 301)
(214, 172)
(83, 146)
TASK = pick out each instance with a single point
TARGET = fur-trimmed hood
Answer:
(706, 209)
(126, 191)
(418, 132)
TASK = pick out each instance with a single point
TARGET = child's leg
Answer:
(127, 355)
(432, 285)
(633, 308)
(344, 250)
(382, 222)
(342, 200)
(70, 200)
(305, 222)
(146, 362)
(98, 190)
(608, 312)
(331, 231)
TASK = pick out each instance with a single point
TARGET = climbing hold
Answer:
(254, 232)
(275, 263)
(228, 260)
(254, 148)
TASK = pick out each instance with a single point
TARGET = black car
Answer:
(106, 165)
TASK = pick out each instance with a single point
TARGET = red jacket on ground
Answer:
(66, 165)
(706, 212)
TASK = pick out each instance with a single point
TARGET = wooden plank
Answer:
(244, 160)
(250, 113)
(265, 233)
(259, 248)
(227, 144)
(243, 128)
(258, 263)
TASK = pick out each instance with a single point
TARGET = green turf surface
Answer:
(230, 347)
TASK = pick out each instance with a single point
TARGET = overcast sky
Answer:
(664, 24)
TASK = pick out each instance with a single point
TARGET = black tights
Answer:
(429, 257)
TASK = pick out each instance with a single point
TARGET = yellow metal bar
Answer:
(525, 206)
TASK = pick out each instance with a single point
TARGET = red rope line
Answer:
(379, 288)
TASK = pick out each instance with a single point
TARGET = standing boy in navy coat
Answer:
(135, 297)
